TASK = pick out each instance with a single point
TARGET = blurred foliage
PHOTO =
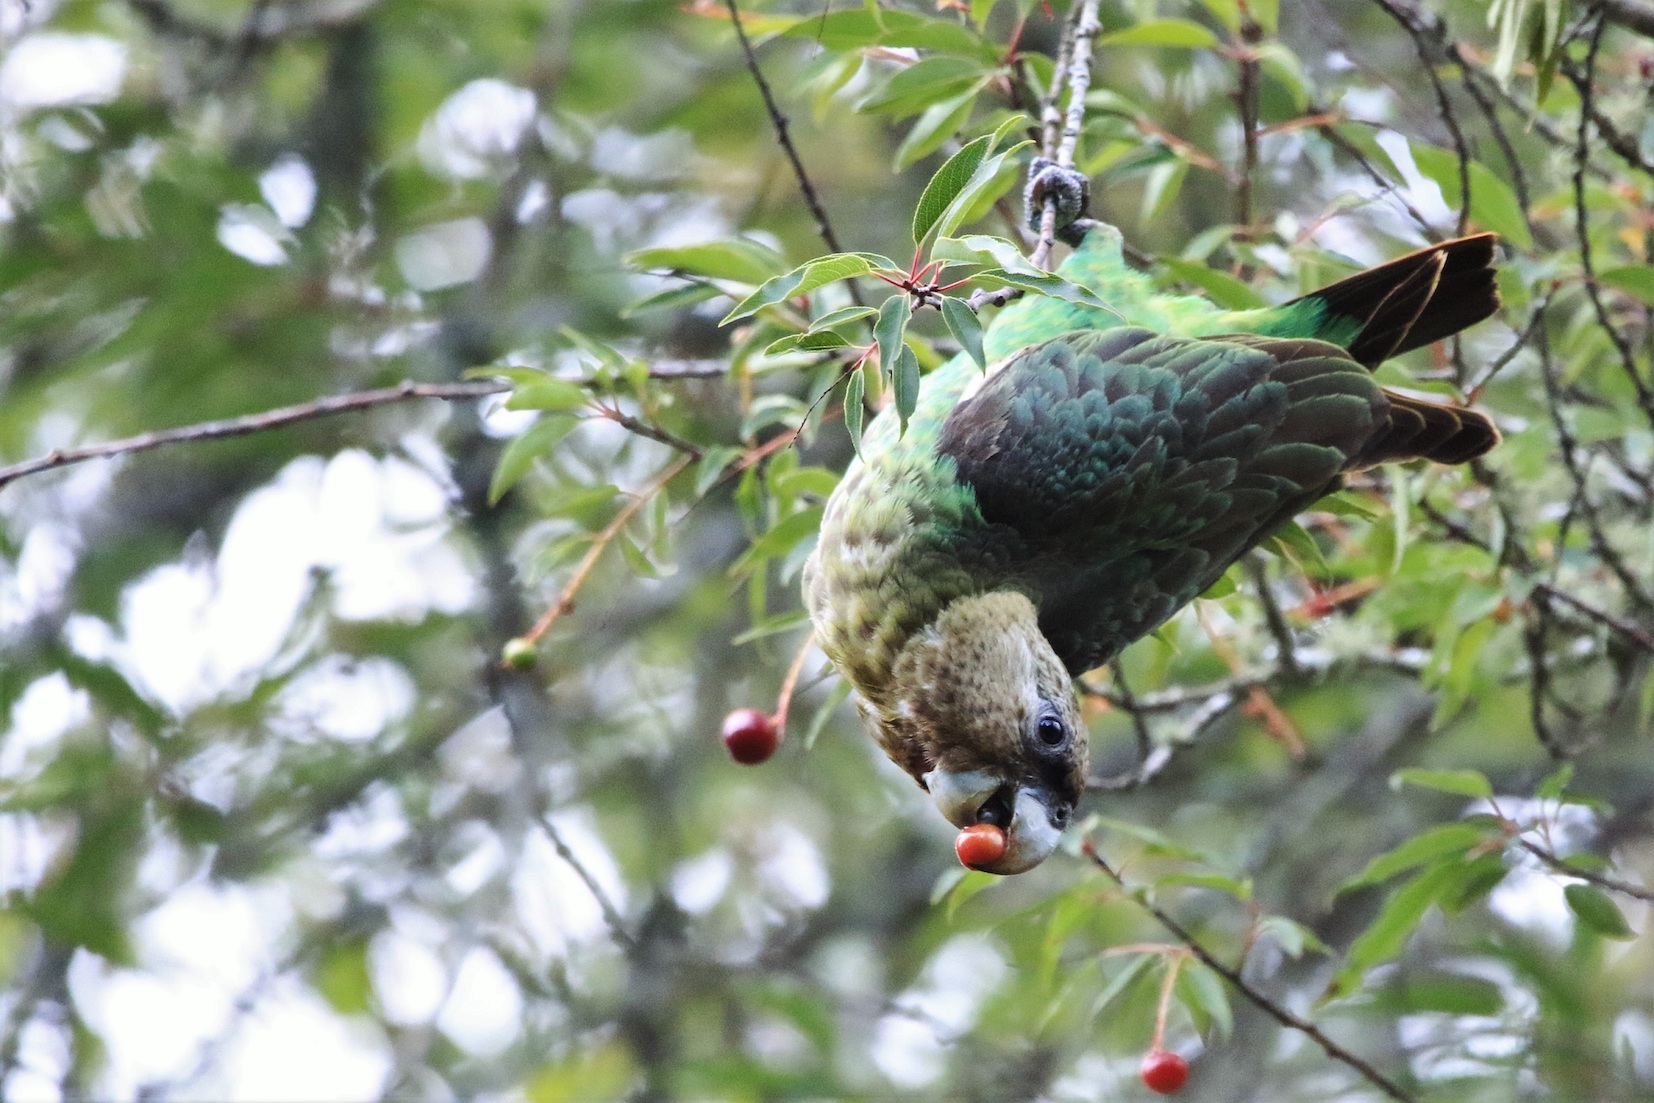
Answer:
(261, 756)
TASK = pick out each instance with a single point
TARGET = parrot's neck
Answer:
(1097, 265)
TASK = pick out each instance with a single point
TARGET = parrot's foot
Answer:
(1072, 191)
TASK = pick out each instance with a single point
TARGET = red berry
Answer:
(980, 845)
(1164, 1072)
(750, 736)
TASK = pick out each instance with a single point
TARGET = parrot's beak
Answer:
(1032, 817)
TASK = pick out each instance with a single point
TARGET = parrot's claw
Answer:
(1072, 191)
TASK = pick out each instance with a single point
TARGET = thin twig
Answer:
(1246, 96)
(1416, 30)
(1585, 83)
(611, 915)
(1561, 865)
(1570, 449)
(823, 226)
(252, 423)
(653, 432)
(1268, 1006)
(1128, 705)
(1085, 28)
(1273, 617)
(1627, 630)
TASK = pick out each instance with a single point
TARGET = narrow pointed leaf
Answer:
(1465, 783)
(737, 259)
(906, 384)
(966, 328)
(806, 278)
(854, 410)
(944, 187)
(1594, 909)
(894, 314)
(524, 449)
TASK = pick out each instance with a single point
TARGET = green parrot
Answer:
(1106, 468)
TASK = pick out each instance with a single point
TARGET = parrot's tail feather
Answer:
(1417, 299)
(1423, 430)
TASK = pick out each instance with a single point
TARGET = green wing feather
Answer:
(1122, 472)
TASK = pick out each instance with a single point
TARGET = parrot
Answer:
(1103, 470)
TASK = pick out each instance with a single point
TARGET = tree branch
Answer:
(1262, 1002)
(1633, 15)
(253, 423)
(782, 135)
(1085, 29)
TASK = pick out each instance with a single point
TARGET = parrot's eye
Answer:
(1051, 733)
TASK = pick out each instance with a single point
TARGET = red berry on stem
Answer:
(1164, 1072)
(751, 736)
(980, 845)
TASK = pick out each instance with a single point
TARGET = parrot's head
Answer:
(988, 716)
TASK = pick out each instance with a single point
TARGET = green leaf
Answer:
(844, 314)
(1180, 33)
(735, 259)
(946, 185)
(858, 28)
(1293, 937)
(1464, 783)
(839, 694)
(1161, 188)
(985, 250)
(992, 179)
(1220, 287)
(1299, 547)
(1223, 587)
(806, 278)
(939, 122)
(974, 882)
(1556, 784)
(894, 314)
(966, 328)
(1493, 204)
(780, 539)
(1633, 279)
(1427, 846)
(710, 468)
(1478, 877)
(905, 384)
(343, 980)
(636, 560)
(1159, 841)
(822, 341)
(1204, 994)
(1346, 503)
(1449, 994)
(855, 411)
(1136, 970)
(1389, 932)
(673, 298)
(923, 84)
(1239, 888)
(519, 455)
(1597, 911)
(548, 394)
(604, 1072)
